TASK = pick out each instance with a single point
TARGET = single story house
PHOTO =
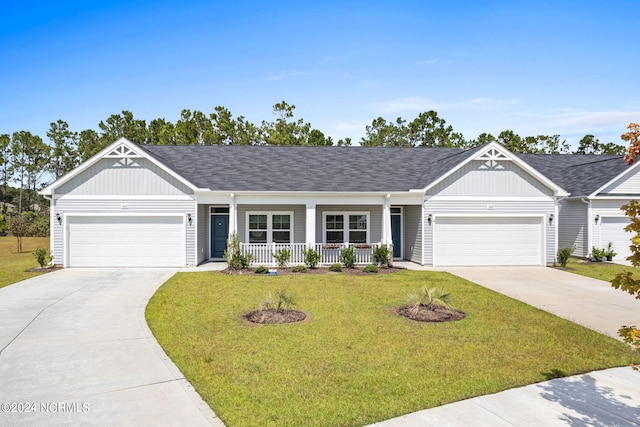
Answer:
(140, 205)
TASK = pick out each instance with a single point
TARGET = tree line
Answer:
(27, 161)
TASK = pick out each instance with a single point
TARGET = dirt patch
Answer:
(426, 314)
(274, 317)
(320, 270)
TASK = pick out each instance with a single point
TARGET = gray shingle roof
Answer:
(579, 174)
(367, 169)
(278, 168)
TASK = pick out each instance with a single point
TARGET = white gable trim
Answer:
(123, 149)
(494, 152)
(629, 170)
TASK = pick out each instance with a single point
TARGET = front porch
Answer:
(329, 252)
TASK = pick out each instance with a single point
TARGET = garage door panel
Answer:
(612, 230)
(126, 241)
(488, 241)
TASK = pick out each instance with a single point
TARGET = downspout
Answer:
(51, 225)
(587, 201)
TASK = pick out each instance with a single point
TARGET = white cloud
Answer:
(423, 104)
(595, 119)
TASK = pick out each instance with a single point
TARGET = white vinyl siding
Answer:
(572, 226)
(126, 241)
(504, 179)
(136, 176)
(488, 241)
(413, 233)
(628, 184)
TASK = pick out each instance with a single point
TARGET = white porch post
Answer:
(233, 215)
(310, 233)
(386, 221)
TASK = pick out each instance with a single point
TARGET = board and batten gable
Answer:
(478, 179)
(111, 176)
(490, 189)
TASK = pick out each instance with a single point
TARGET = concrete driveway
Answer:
(590, 302)
(75, 349)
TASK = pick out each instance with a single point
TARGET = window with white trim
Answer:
(269, 227)
(347, 227)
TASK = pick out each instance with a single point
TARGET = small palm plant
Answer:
(282, 304)
(431, 298)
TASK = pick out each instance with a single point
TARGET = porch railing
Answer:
(329, 253)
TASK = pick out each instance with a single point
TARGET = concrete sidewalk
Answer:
(75, 349)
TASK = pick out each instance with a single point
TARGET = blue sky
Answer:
(568, 68)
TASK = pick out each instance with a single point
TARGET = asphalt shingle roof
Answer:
(367, 169)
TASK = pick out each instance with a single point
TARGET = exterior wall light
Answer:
(189, 218)
(550, 219)
(597, 218)
(430, 218)
(59, 217)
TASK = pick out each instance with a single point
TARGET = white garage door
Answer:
(488, 241)
(612, 230)
(119, 241)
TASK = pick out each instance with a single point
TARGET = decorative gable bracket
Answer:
(122, 152)
(492, 156)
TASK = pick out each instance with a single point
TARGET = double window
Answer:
(347, 227)
(269, 227)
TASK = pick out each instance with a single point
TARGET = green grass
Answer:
(13, 265)
(599, 270)
(355, 362)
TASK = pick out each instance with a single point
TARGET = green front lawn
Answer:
(599, 270)
(14, 265)
(354, 361)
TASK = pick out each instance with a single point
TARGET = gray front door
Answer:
(219, 234)
(396, 235)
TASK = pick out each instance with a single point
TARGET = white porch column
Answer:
(233, 215)
(310, 234)
(386, 221)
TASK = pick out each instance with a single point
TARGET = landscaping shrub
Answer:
(563, 256)
(282, 303)
(348, 257)
(282, 257)
(234, 256)
(381, 256)
(261, 270)
(430, 298)
(335, 267)
(40, 255)
(371, 268)
(299, 269)
(311, 257)
(597, 255)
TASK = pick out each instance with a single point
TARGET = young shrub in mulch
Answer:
(299, 269)
(430, 305)
(261, 270)
(371, 268)
(276, 311)
(335, 267)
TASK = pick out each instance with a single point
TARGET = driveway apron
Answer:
(75, 349)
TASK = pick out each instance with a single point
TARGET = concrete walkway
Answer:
(75, 349)
(604, 398)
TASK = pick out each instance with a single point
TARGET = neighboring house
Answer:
(598, 185)
(138, 205)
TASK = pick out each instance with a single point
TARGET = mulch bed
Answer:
(44, 269)
(426, 314)
(320, 270)
(273, 317)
